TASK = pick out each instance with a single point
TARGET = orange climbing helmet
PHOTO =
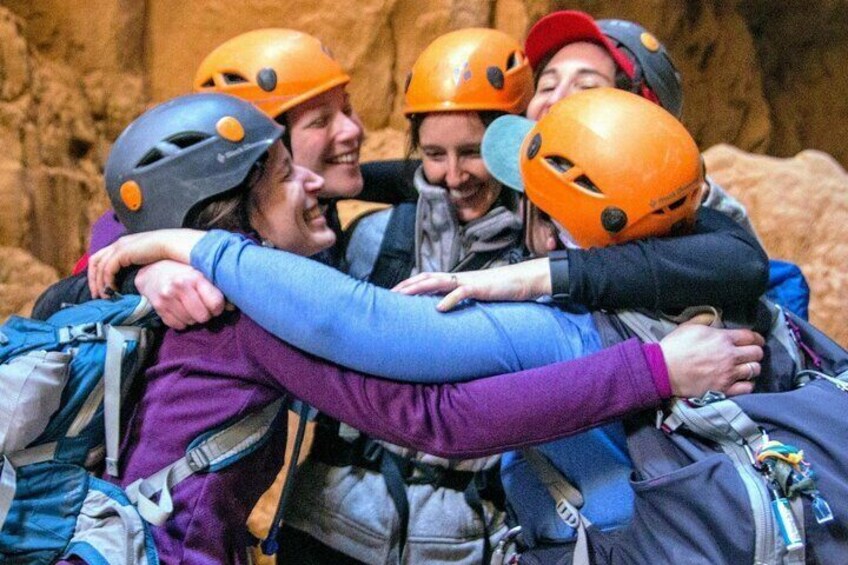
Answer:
(607, 165)
(275, 69)
(470, 69)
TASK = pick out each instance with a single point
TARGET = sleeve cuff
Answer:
(659, 370)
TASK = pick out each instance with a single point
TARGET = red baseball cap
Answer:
(559, 29)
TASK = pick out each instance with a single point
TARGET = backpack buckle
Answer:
(92, 331)
(197, 460)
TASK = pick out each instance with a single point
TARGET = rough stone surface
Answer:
(799, 207)
(59, 113)
(22, 278)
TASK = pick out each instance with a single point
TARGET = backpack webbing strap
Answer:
(116, 349)
(475, 502)
(390, 468)
(725, 423)
(230, 442)
(270, 545)
(8, 486)
(568, 501)
(397, 251)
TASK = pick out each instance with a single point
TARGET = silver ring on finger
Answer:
(752, 370)
(455, 281)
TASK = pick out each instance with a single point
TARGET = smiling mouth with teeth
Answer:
(312, 213)
(345, 158)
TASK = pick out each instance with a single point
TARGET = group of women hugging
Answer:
(550, 189)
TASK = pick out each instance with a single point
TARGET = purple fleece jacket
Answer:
(204, 377)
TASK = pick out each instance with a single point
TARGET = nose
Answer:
(454, 173)
(312, 182)
(349, 127)
(563, 89)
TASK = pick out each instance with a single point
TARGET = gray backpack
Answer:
(758, 478)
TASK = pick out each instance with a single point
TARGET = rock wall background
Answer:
(766, 77)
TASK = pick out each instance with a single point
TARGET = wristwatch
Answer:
(558, 261)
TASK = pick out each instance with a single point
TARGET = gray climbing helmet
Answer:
(654, 69)
(183, 153)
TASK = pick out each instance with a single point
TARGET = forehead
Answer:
(582, 55)
(334, 98)
(452, 128)
(278, 154)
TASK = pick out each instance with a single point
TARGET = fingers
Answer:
(100, 276)
(745, 337)
(740, 387)
(427, 283)
(747, 371)
(453, 298)
(185, 300)
(746, 353)
(212, 298)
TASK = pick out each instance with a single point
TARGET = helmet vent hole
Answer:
(560, 164)
(673, 206)
(534, 146)
(586, 183)
(234, 78)
(150, 157)
(187, 139)
(677, 204)
(170, 146)
(514, 60)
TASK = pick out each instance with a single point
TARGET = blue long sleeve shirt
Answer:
(370, 329)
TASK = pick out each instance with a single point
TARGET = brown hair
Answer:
(415, 121)
(231, 210)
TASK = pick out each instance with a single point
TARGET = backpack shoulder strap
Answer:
(208, 453)
(397, 251)
(568, 501)
(116, 382)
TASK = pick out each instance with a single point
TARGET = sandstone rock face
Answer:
(22, 278)
(799, 207)
(762, 77)
(59, 113)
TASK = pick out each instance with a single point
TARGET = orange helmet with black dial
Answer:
(470, 69)
(607, 165)
(275, 69)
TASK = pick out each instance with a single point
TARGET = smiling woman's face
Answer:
(450, 153)
(326, 136)
(577, 66)
(284, 206)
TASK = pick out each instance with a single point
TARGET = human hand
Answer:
(138, 249)
(700, 358)
(180, 294)
(524, 281)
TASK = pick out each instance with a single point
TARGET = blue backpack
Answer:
(64, 381)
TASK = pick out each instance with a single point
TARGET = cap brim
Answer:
(555, 31)
(501, 149)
